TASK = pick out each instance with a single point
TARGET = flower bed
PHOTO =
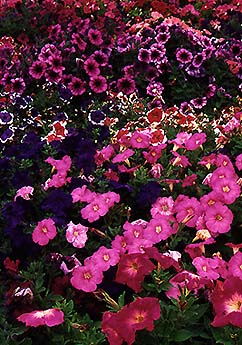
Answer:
(120, 137)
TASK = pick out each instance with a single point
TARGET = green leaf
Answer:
(183, 335)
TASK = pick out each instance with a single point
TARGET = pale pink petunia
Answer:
(24, 192)
(162, 206)
(49, 317)
(76, 234)
(44, 232)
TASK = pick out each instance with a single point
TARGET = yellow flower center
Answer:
(139, 318)
(44, 229)
(158, 229)
(106, 257)
(75, 233)
(219, 217)
(87, 275)
(226, 189)
(95, 208)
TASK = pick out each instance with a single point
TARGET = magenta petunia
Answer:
(218, 218)
(235, 265)
(48, 317)
(44, 232)
(86, 278)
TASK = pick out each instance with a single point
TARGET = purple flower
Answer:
(98, 84)
(91, 67)
(126, 85)
(5, 117)
(183, 55)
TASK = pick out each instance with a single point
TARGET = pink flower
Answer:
(238, 161)
(48, 317)
(95, 209)
(120, 244)
(103, 258)
(44, 232)
(91, 67)
(111, 198)
(154, 154)
(24, 192)
(227, 189)
(188, 210)
(76, 234)
(189, 180)
(180, 160)
(82, 194)
(163, 206)
(121, 157)
(160, 228)
(227, 303)
(77, 86)
(185, 280)
(206, 267)
(61, 165)
(218, 219)
(235, 265)
(195, 141)
(140, 140)
(86, 277)
(95, 37)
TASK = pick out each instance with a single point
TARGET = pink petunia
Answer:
(121, 157)
(206, 267)
(24, 192)
(218, 219)
(76, 234)
(235, 265)
(48, 317)
(44, 232)
(162, 206)
(140, 140)
(227, 302)
(195, 141)
(96, 209)
(82, 194)
(86, 278)
(238, 161)
(227, 189)
(103, 258)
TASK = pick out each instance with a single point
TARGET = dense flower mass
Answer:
(120, 160)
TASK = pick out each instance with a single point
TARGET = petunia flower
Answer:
(86, 277)
(48, 317)
(76, 234)
(218, 218)
(132, 269)
(227, 302)
(235, 265)
(24, 192)
(44, 232)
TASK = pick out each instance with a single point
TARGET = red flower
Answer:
(132, 269)
(123, 325)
